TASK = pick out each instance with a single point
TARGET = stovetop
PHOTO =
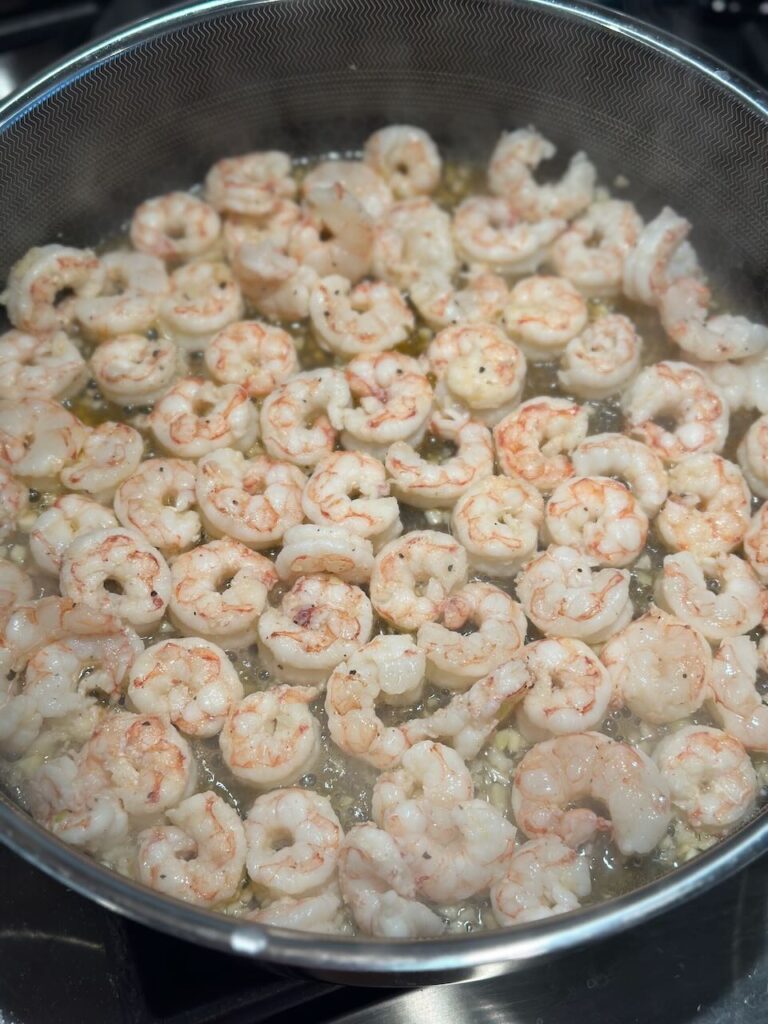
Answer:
(65, 960)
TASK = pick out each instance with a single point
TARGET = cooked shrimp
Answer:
(158, 500)
(133, 370)
(321, 620)
(412, 238)
(219, 590)
(14, 499)
(176, 226)
(737, 704)
(277, 284)
(15, 588)
(257, 356)
(203, 298)
(371, 317)
(490, 231)
(310, 549)
(297, 417)
(660, 256)
(660, 667)
(571, 688)
(756, 543)
(271, 738)
(431, 778)
(470, 718)
(321, 913)
(707, 511)
(40, 367)
(682, 392)
(293, 841)
(111, 453)
(199, 857)
(744, 385)
(334, 234)
(599, 517)
(68, 518)
(510, 174)
(592, 252)
(379, 887)
(393, 401)
(630, 461)
(252, 184)
(274, 227)
(558, 773)
(564, 594)
(406, 158)
(388, 670)
(601, 360)
(196, 417)
(535, 441)
(140, 581)
(752, 454)
(544, 877)
(35, 623)
(350, 489)
(683, 309)
(737, 605)
(425, 484)
(45, 284)
(497, 520)
(190, 680)
(480, 299)
(413, 575)
(38, 438)
(456, 659)
(543, 314)
(710, 776)
(480, 372)
(367, 186)
(129, 298)
(253, 500)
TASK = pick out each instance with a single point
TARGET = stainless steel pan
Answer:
(152, 107)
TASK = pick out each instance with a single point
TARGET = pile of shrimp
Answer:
(326, 598)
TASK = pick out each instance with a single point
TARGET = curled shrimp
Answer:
(683, 309)
(660, 256)
(48, 366)
(203, 298)
(251, 184)
(630, 461)
(309, 549)
(297, 417)
(45, 284)
(543, 314)
(497, 520)
(335, 234)
(388, 670)
(190, 680)
(121, 557)
(707, 511)
(320, 621)
(196, 417)
(218, 590)
(367, 186)
(599, 517)
(134, 370)
(480, 299)
(371, 317)
(489, 230)
(38, 438)
(756, 543)
(111, 452)
(431, 779)
(252, 500)
(321, 913)
(176, 226)
(293, 841)
(68, 518)
(571, 689)
(536, 440)
(406, 158)
(14, 500)
(413, 575)
(276, 283)
(199, 856)
(412, 238)
(510, 173)
(350, 489)
(752, 454)
(271, 738)
(257, 356)
(455, 659)
(603, 359)
(710, 776)
(393, 400)
(592, 252)
(424, 484)
(737, 704)
(660, 667)
(564, 594)
(736, 607)
(159, 500)
(129, 298)
(544, 877)
(682, 392)
(556, 774)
